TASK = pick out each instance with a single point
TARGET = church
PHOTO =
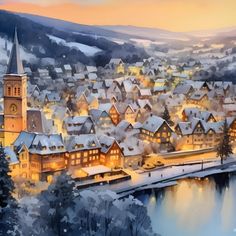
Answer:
(14, 118)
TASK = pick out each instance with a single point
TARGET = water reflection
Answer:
(195, 207)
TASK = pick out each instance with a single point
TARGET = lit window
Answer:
(8, 90)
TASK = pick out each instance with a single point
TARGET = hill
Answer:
(64, 46)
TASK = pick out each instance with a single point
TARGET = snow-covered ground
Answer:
(146, 42)
(87, 50)
(175, 51)
(27, 56)
(165, 176)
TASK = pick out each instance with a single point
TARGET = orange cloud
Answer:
(177, 15)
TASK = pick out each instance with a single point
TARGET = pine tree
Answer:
(166, 116)
(56, 201)
(8, 205)
(224, 149)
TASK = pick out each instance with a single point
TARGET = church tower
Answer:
(15, 96)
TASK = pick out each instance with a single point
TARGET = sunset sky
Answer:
(175, 15)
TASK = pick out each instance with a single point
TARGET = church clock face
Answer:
(13, 108)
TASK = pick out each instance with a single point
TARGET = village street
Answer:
(166, 176)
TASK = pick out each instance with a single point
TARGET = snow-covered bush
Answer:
(62, 210)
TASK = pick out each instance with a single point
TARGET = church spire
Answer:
(15, 64)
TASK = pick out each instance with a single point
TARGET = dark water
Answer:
(195, 207)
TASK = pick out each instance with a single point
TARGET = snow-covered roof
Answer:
(96, 114)
(53, 97)
(159, 88)
(79, 124)
(67, 67)
(95, 170)
(198, 95)
(145, 92)
(139, 64)
(91, 69)
(82, 142)
(183, 89)
(106, 142)
(132, 148)
(92, 76)
(129, 86)
(79, 76)
(194, 112)
(43, 71)
(123, 125)
(187, 128)
(40, 143)
(11, 156)
(116, 61)
(58, 70)
(142, 103)
(154, 123)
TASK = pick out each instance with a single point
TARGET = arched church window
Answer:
(18, 91)
(15, 91)
(8, 90)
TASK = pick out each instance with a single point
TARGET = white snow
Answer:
(162, 176)
(146, 42)
(87, 50)
(24, 54)
(175, 51)
(93, 170)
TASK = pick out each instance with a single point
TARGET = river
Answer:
(194, 207)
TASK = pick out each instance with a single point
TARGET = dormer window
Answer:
(53, 147)
(92, 144)
(77, 146)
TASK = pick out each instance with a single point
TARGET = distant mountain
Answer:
(229, 31)
(128, 32)
(145, 32)
(111, 32)
(74, 27)
(64, 46)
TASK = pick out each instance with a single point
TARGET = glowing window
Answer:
(8, 90)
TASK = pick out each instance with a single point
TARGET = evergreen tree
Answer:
(166, 116)
(224, 149)
(56, 203)
(8, 205)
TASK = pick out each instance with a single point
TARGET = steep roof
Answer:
(106, 143)
(82, 142)
(15, 64)
(154, 123)
(40, 143)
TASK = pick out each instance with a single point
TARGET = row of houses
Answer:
(38, 156)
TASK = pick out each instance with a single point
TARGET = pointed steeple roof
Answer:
(15, 64)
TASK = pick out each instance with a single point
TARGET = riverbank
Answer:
(163, 177)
